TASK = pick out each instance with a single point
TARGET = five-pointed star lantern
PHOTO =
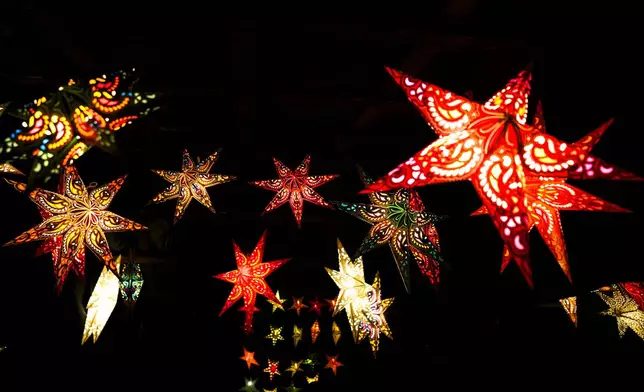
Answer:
(298, 305)
(248, 280)
(570, 306)
(249, 385)
(297, 335)
(7, 168)
(190, 183)
(333, 364)
(364, 307)
(545, 197)
(296, 366)
(625, 310)
(275, 335)
(316, 306)
(272, 369)
(277, 304)
(295, 186)
(249, 358)
(492, 146)
(335, 333)
(315, 331)
(101, 303)
(399, 219)
(77, 218)
(311, 380)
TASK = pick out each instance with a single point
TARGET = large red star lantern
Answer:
(492, 146)
(545, 197)
(248, 280)
(295, 186)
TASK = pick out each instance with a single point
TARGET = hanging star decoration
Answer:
(570, 306)
(315, 331)
(249, 280)
(636, 291)
(249, 385)
(272, 369)
(190, 183)
(363, 304)
(311, 380)
(333, 364)
(58, 129)
(7, 168)
(492, 146)
(292, 388)
(296, 366)
(625, 310)
(311, 360)
(77, 218)
(297, 335)
(331, 303)
(400, 220)
(316, 306)
(249, 358)
(295, 186)
(101, 303)
(545, 197)
(277, 304)
(131, 283)
(335, 333)
(275, 335)
(298, 304)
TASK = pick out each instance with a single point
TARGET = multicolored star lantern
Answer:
(248, 280)
(275, 335)
(249, 358)
(58, 129)
(131, 283)
(625, 310)
(492, 146)
(400, 220)
(364, 307)
(297, 335)
(74, 219)
(545, 197)
(7, 168)
(298, 304)
(295, 186)
(101, 303)
(272, 369)
(277, 304)
(570, 306)
(315, 331)
(333, 364)
(190, 183)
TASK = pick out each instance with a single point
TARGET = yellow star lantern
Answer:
(101, 303)
(9, 169)
(277, 304)
(296, 366)
(335, 333)
(625, 310)
(275, 335)
(297, 335)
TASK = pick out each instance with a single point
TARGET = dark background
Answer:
(286, 87)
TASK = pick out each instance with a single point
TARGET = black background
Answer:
(287, 87)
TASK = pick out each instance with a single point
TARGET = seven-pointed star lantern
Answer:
(190, 183)
(492, 146)
(545, 197)
(249, 281)
(295, 186)
(399, 219)
(625, 310)
(78, 218)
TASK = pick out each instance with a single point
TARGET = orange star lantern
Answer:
(298, 305)
(545, 197)
(248, 280)
(249, 358)
(492, 146)
(333, 363)
(295, 186)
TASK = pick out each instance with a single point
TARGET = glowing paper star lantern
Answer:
(294, 186)
(316, 306)
(277, 304)
(74, 219)
(101, 303)
(249, 385)
(311, 380)
(331, 303)
(570, 306)
(296, 366)
(636, 291)
(297, 335)
(364, 307)
(625, 310)
(275, 335)
(400, 220)
(333, 364)
(272, 369)
(335, 333)
(58, 129)
(492, 146)
(315, 331)
(545, 197)
(298, 304)
(131, 283)
(249, 358)
(190, 183)
(249, 281)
